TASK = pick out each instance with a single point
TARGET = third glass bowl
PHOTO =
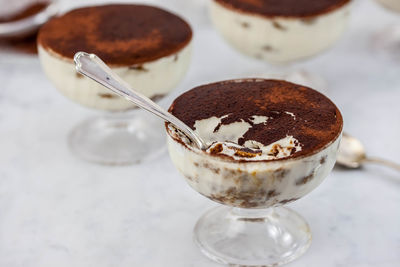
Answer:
(150, 48)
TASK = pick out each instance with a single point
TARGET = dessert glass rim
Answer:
(288, 17)
(71, 59)
(229, 159)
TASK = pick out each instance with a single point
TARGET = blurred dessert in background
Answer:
(19, 23)
(280, 31)
(148, 47)
(20, 9)
(391, 4)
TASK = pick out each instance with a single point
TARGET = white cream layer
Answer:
(252, 184)
(228, 136)
(153, 78)
(391, 4)
(279, 39)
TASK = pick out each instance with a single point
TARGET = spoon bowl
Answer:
(351, 154)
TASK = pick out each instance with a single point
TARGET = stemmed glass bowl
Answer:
(117, 32)
(281, 39)
(251, 227)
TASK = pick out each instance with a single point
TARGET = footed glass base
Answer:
(251, 237)
(118, 140)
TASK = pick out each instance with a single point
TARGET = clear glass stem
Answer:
(118, 138)
(252, 237)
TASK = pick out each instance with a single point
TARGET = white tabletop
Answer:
(56, 210)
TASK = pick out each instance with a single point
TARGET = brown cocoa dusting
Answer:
(120, 34)
(29, 11)
(318, 121)
(323, 160)
(284, 8)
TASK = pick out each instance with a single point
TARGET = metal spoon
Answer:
(30, 24)
(351, 154)
(93, 67)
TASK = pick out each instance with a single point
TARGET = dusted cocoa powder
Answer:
(284, 8)
(121, 34)
(317, 121)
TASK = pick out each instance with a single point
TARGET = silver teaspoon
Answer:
(93, 67)
(351, 154)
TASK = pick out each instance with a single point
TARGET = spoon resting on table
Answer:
(351, 154)
(93, 67)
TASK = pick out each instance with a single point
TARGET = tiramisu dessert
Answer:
(391, 4)
(147, 46)
(270, 141)
(283, 30)
(20, 9)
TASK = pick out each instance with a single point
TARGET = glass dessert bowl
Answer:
(148, 47)
(22, 18)
(271, 143)
(281, 32)
(388, 39)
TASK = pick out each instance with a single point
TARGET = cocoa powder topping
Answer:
(316, 122)
(284, 8)
(120, 34)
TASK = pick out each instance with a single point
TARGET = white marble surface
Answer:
(56, 210)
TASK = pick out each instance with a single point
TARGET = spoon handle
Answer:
(383, 162)
(93, 67)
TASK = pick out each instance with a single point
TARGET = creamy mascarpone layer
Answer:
(391, 4)
(152, 79)
(223, 139)
(279, 39)
(252, 184)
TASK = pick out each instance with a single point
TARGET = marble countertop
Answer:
(56, 210)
